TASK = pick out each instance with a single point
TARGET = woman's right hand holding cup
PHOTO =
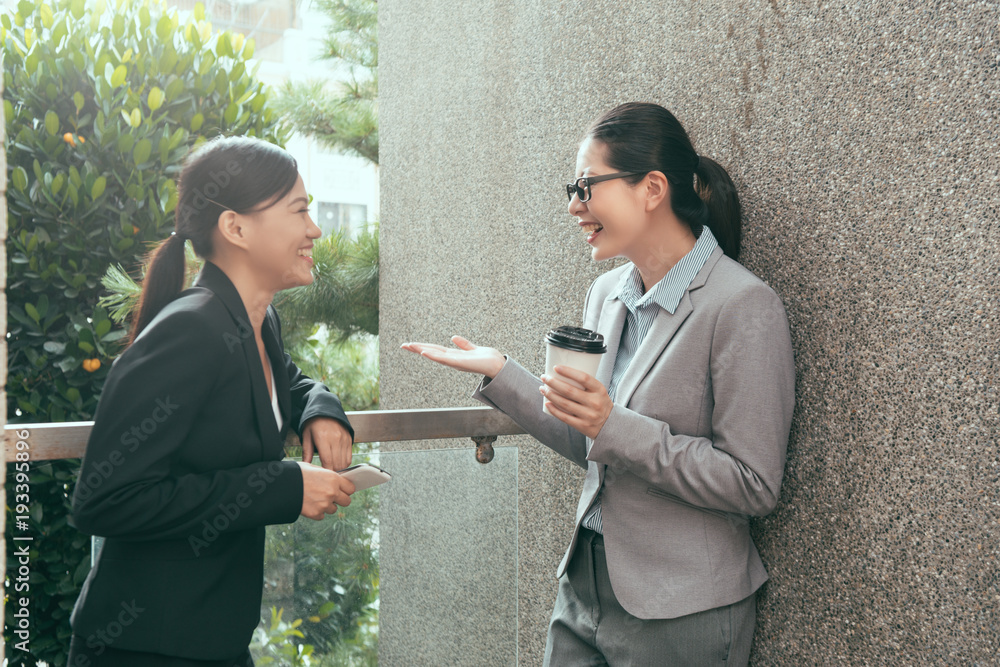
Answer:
(464, 356)
(323, 491)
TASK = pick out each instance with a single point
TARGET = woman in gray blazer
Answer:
(684, 429)
(183, 467)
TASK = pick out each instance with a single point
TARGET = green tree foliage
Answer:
(102, 103)
(328, 575)
(344, 295)
(342, 115)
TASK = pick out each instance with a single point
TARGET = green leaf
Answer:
(125, 143)
(142, 151)
(57, 184)
(196, 122)
(155, 98)
(52, 123)
(102, 327)
(98, 188)
(46, 13)
(77, 8)
(164, 27)
(32, 312)
(207, 60)
(249, 48)
(174, 88)
(118, 76)
(20, 178)
(230, 115)
(176, 138)
(43, 305)
(78, 101)
(223, 47)
(54, 347)
(135, 118)
(199, 11)
(118, 26)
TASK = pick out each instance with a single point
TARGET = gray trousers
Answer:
(589, 627)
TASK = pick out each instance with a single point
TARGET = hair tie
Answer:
(697, 162)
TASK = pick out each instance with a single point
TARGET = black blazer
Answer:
(183, 470)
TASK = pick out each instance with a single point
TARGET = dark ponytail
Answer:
(164, 279)
(643, 137)
(227, 173)
(717, 190)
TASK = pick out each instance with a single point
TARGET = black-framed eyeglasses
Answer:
(581, 186)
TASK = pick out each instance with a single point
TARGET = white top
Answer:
(274, 394)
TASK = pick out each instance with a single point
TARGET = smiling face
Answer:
(280, 247)
(614, 219)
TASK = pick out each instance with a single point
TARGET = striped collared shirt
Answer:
(642, 310)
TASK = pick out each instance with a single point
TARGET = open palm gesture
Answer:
(465, 356)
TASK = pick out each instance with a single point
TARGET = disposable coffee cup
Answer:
(577, 348)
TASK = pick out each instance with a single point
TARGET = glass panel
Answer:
(419, 571)
(448, 559)
(321, 579)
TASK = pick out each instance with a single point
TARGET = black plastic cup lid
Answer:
(577, 340)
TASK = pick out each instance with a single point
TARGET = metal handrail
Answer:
(68, 440)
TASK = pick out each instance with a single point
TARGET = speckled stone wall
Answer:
(864, 139)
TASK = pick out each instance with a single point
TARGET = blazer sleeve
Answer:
(309, 397)
(738, 469)
(129, 485)
(514, 391)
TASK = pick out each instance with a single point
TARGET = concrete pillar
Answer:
(864, 142)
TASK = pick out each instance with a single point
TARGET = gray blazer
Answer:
(694, 445)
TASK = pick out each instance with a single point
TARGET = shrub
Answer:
(101, 108)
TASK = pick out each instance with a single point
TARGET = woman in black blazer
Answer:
(183, 467)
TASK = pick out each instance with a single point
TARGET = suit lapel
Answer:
(665, 326)
(280, 378)
(610, 326)
(215, 279)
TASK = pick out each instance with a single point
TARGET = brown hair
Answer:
(226, 173)
(643, 137)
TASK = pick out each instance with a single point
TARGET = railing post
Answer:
(484, 447)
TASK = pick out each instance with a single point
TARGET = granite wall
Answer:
(864, 139)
